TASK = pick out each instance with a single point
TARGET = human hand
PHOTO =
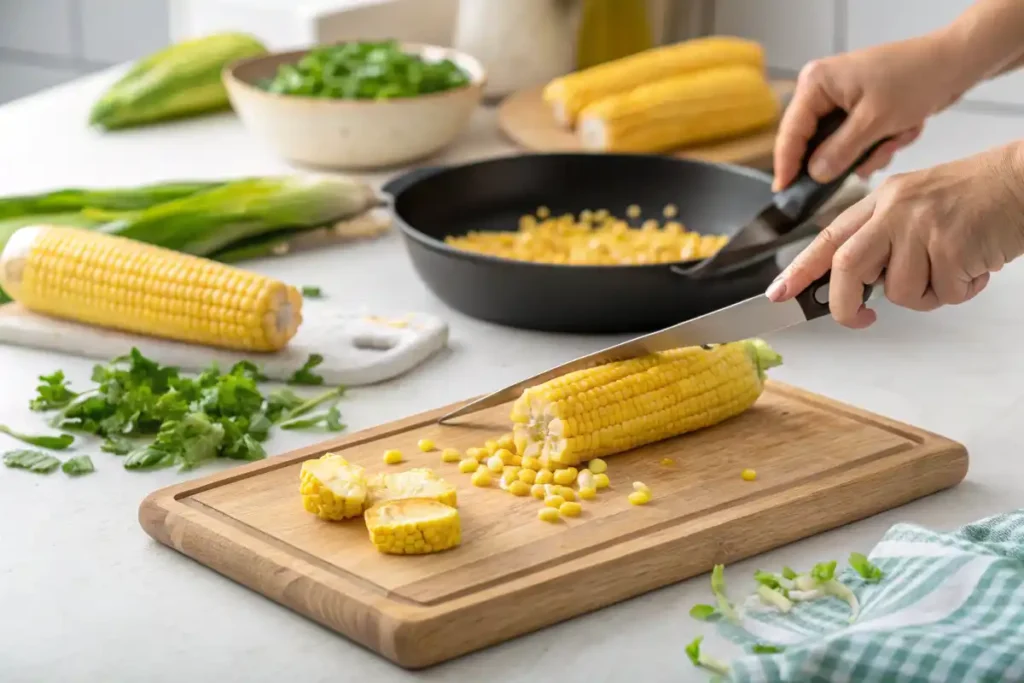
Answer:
(936, 233)
(886, 91)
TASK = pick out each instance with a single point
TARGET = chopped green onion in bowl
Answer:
(365, 70)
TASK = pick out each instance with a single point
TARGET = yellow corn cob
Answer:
(612, 408)
(675, 112)
(333, 488)
(413, 526)
(568, 95)
(418, 482)
(119, 283)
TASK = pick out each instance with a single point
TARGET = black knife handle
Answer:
(805, 195)
(814, 299)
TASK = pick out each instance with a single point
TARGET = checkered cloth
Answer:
(949, 608)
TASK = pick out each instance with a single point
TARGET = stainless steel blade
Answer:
(750, 318)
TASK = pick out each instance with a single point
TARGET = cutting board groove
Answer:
(821, 464)
(527, 120)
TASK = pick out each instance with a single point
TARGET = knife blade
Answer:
(752, 317)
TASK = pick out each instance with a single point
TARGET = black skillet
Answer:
(430, 203)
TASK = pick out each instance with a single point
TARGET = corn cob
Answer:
(612, 408)
(118, 283)
(419, 482)
(675, 112)
(333, 488)
(413, 526)
(568, 95)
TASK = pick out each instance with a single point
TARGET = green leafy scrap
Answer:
(33, 461)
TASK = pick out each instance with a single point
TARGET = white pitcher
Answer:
(522, 43)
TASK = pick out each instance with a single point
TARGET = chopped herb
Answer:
(117, 445)
(313, 403)
(310, 292)
(824, 571)
(788, 573)
(718, 588)
(868, 571)
(54, 442)
(702, 612)
(78, 465)
(702, 660)
(52, 392)
(305, 374)
(33, 461)
(760, 649)
(330, 418)
(770, 581)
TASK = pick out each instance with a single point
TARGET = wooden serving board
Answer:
(527, 120)
(820, 464)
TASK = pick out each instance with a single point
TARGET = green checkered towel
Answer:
(949, 608)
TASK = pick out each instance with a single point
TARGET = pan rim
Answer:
(439, 245)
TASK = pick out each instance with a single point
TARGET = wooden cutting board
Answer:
(525, 119)
(820, 464)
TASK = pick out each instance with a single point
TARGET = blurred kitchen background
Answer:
(47, 42)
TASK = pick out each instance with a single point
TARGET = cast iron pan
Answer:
(430, 203)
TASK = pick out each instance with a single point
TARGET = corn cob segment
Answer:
(413, 526)
(675, 112)
(570, 94)
(418, 482)
(615, 407)
(119, 283)
(333, 488)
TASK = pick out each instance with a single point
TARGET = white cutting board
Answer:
(358, 347)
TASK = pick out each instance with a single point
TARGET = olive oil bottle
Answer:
(610, 29)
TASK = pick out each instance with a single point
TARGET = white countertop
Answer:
(86, 595)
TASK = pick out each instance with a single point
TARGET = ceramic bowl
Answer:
(353, 134)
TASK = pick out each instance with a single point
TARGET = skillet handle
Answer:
(805, 195)
(403, 182)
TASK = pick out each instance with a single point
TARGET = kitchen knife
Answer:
(753, 317)
(788, 210)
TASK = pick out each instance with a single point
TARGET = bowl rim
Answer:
(473, 66)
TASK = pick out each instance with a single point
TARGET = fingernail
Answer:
(777, 289)
(821, 170)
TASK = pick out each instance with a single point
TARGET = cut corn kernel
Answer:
(333, 488)
(468, 466)
(585, 479)
(640, 486)
(419, 482)
(450, 455)
(538, 492)
(531, 463)
(413, 526)
(640, 497)
(597, 466)
(425, 445)
(588, 414)
(748, 475)
(527, 476)
(494, 464)
(544, 476)
(554, 501)
(392, 457)
(517, 460)
(481, 478)
(507, 441)
(670, 211)
(566, 492)
(505, 455)
(118, 283)
(587, 493)
(507, 478)
(633, 211)
(548, 514)
(668, 462)
(570, 509)
(491, 446)
(477, 453)
(601, 481)
(518, 488)
(565, 476)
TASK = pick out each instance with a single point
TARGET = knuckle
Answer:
(844, 261)
(814, 72)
